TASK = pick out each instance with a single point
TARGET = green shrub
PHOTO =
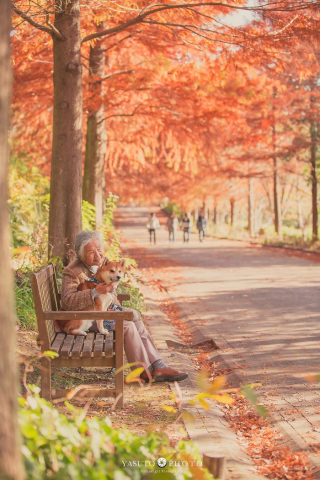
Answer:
(28, 202)
(88, 216)
(111, 205)
(136, 298)
(173, 208)
(78, 448)
(24, 304)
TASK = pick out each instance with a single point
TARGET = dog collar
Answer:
(93, 279)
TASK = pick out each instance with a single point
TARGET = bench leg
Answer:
(46, 378)
(119, 362)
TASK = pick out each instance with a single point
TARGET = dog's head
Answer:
(111, 272)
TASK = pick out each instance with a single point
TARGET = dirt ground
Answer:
(142, 412)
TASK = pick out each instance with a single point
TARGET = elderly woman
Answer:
(138, 344)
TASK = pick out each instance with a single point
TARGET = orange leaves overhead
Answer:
(186, 97)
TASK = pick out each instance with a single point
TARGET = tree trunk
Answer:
(94, 187)
(232, 202)
(300, 213)
(251, 208)
(313, 172)
(216, 215)
(204, 205)
(276, 194)
(11, 467)
(66, 164)
(276, 200)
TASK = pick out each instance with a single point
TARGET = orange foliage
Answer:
(187, 100)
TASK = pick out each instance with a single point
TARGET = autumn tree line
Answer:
(165, 101)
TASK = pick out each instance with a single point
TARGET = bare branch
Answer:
(54, 29)
(32, 22)
(156, 8)
(117, 43)
(117, 72)
(121, 114)
(113, 30)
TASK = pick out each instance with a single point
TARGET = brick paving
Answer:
(262, 309)
(210, 431)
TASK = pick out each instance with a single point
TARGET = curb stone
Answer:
(290, 437)
(210, 432)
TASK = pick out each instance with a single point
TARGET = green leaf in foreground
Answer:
(57, 447)
(250, 395)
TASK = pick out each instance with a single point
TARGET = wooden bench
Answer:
(94, 350)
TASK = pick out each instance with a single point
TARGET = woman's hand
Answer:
(103, 288)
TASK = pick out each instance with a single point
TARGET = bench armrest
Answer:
(123, 297)
(91, 315)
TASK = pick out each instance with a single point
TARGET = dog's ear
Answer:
(123, 263)
(105, 261)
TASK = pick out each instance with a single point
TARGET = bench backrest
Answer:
(46, 299)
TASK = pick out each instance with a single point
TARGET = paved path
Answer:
(261, 307)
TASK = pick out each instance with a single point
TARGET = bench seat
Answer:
(75, 346)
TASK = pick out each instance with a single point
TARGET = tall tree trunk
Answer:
(300, 213)
(251, 208)
(11, 467)
(215, 214)
(66, 164)
(313, 172)
(276, 193)
(204, 205)
(94, 187)
(232, 202)
(276, 200)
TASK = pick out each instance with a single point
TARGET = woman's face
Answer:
(92, 253)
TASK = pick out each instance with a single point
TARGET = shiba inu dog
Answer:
(109, 272)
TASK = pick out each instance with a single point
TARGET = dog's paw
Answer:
(104, 332)
(78, 332)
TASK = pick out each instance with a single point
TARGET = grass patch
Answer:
(24, 305)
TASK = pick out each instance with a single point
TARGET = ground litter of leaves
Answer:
(257, 437)
(142, 410)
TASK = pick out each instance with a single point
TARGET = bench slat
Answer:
(67, 346)
(108, 345)
(98, 345)
(87, 315)
(88, 345)
(77, 346)
(58, 342)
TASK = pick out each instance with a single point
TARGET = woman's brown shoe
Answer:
(168, 374)
(145, 377)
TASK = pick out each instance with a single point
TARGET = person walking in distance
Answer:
(172, 225)
(153, 225)
(186, 227)
(201, 226)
